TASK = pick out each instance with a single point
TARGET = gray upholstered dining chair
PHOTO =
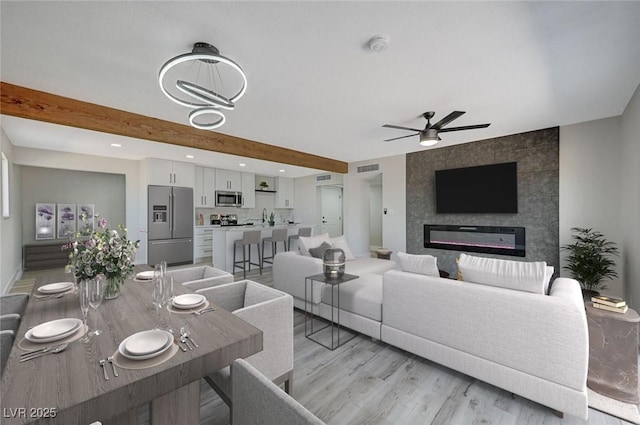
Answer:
(199, 277)
(14, 303)
(258, 401)
(6, 343)
(269, 310)
(10, 322)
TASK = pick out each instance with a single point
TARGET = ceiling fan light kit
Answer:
(203, 97)
(429, 135)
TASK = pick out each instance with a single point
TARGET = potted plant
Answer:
(590, 261)
(264, 185)
(272, 219)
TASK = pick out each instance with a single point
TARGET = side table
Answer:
(613, 353)
(316, 335)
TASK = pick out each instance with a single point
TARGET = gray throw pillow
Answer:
(319, 251)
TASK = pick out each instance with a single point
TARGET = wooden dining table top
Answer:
(69, 387)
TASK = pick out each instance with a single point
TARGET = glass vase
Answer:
(112, 287)
(333, 260)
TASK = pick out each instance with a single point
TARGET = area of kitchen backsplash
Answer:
(264, 201)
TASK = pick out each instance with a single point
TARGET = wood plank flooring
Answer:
(370, 382)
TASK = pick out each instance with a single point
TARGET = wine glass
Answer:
(96, 292)
(158, 296)
(83, 294)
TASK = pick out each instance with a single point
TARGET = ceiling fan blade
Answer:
(401, 137)
(401, 128)
(446, 120)
(466, 127)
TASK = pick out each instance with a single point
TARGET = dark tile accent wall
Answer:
(537, 155)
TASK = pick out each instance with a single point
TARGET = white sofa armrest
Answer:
(290, 270)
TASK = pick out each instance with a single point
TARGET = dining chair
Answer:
(258, 401)
(269, 310)
(14, 303)
(6, 343)
(10, 322)
(200, 277)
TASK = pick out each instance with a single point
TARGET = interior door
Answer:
(331, 210)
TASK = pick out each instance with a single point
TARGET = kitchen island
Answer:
(225, 236)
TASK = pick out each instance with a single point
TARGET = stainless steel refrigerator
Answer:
(170, 225)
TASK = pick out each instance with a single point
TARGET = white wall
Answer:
(131, 170)
(356, 204)
(590, 186)
(10, 227)
(630, 202)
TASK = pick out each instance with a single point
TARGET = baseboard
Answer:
(17, 275)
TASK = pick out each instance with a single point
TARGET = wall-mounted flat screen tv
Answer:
(476, 190)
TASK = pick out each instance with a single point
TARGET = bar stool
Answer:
(304, 231)
(278, 235)
(249, 238)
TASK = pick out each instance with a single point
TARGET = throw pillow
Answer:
(341, 242)
(319, 250)
(518, 275)
(304, 242)
(420, 264)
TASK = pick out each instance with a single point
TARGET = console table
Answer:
(613, 353)
(37, 256)
(334, 324)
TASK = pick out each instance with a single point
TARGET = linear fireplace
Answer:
(488, 239)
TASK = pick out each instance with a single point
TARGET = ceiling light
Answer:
(190, 156)
(116, 145)
(429, 137)
(282, 171)
(203, 85)
(242, 165)
(378, 43)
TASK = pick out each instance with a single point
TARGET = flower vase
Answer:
(112, 288)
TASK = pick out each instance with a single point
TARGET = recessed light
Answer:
(116, 145)
(282, 171)
(242, 165)
(190, 156)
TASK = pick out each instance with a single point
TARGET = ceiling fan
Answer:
(429, 135)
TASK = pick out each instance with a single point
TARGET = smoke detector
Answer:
(379, 43)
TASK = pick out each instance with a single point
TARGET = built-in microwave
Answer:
(228, 199)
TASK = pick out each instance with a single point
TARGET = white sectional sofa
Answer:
(512, 335)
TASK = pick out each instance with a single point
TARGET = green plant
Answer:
(264, 185)
(272, 218)
(589, 259)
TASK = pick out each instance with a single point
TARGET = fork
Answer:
(203, 310)
(56, 350)
(39, 350)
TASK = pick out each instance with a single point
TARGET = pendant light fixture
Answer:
(205, 81)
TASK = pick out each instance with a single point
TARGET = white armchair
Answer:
(269, 310)
(257, 401)
(200, 277)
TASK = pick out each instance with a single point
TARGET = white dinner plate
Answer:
(152, 343)
(54, 330)
(188, 301)
(55, 288)
(148, 275)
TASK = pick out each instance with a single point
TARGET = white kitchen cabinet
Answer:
(248, 190)
(204, 196)
(284, 193)
(163, 172)
(228, 180)
(203, 244)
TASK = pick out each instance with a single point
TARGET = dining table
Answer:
(70, 387)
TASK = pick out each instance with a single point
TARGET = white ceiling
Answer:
(313, 85)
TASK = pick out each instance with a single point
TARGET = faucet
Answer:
(264, 215)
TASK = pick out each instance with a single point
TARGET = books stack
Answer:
(609, 303)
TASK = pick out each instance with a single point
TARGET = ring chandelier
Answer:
(203, 100)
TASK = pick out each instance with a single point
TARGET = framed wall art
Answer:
(45, 221)
(66, 220)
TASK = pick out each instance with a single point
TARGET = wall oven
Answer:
(228, 199)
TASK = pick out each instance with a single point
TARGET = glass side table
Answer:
(330, 331)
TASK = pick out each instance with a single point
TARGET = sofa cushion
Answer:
(518, 275)
(368, 265)
(420, 264)
(318, 251)
(341, 242)
(361, 296)
(304, 242)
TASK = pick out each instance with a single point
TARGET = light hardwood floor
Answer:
(370, 382)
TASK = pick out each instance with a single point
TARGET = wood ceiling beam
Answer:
(32, 104)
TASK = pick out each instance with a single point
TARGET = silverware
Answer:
(104, 369)
(113, 366)
(184, 341)
(204, 310)
(48, 297)
(39, 350)
(56, 350)
(185, 332)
